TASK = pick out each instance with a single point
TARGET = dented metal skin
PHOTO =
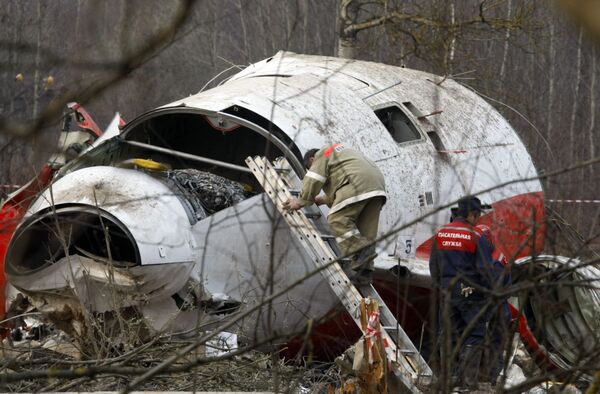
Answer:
(234, 258)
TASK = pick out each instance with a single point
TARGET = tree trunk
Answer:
(244, 31)
(346, 47)
(506, 40)
(592, 152)
(551, 57)
(305, 7)
(36, 72)
(450, 58)
(572, 144)
(593, 107)
(346, 40)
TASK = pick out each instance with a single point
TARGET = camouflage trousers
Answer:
(355, 226)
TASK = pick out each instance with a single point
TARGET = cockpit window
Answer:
(398, 124)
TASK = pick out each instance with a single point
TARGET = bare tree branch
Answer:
(124, 68)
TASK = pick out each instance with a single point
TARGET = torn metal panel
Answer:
(256, 256)
(100, 286)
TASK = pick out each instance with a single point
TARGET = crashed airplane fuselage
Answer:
(165, 218)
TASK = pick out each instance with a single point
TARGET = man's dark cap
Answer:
(471, 204)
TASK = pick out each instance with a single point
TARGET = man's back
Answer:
(350, 177)
(459, 253)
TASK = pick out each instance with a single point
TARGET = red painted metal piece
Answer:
(535, 349)
(11, 213)
(84, 120)
(518, 225)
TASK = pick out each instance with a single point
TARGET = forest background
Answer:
(526, 57)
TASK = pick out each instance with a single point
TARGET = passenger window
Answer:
(398, 124)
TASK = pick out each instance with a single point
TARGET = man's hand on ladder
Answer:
(292, 204)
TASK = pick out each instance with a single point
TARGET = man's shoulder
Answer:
(459, 226)
(328, 150)
(456, 237)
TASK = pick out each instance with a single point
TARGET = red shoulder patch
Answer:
(330, 150)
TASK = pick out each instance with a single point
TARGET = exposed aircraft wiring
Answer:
(208, 190)
(381, 90)
(217, 76)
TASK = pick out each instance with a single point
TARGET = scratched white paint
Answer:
(318, 100)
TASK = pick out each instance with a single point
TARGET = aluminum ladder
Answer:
(280, 183)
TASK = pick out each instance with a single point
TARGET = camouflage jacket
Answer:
(345, 175)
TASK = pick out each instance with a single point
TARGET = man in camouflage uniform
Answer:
(355, 193)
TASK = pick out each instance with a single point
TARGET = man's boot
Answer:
(363, 258)
(361, 272)
(495, 370)
(361, 277)
(468, 366)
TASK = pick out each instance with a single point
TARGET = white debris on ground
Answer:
(554, 387)
(515, 376)
(221, 344)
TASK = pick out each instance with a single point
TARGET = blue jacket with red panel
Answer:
(459, 251)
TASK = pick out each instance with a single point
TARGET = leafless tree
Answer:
(536, 67)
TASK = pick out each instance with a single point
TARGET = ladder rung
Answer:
(313, 215)
(407, 351)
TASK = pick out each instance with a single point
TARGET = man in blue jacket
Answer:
(461, 268)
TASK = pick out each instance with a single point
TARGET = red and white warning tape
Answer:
(577, 201)
(372, 333)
